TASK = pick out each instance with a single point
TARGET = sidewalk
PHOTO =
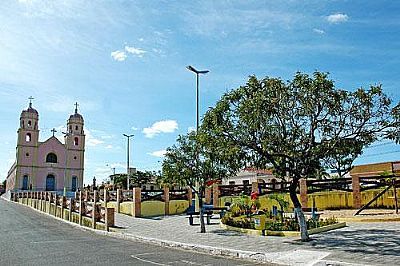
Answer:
(357, 244)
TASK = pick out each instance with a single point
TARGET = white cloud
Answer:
(109, 146)
(118, 55)
(91, 141)
(160, 153)
(337, 18)
(319, 31)
(165, 126)
(191, 129)
(135, 51)
(135, 128)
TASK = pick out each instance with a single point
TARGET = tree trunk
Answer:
(202, 225)
(298, 211)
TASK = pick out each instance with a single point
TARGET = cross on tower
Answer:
(54, 131)
(76, 107)
(30, 100)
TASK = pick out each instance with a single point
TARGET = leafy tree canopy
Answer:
(299, 126)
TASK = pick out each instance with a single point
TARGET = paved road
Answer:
(30, 238)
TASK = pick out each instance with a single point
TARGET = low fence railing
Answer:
(91, 208)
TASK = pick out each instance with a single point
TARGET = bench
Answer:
(197, 214)
(220, 210)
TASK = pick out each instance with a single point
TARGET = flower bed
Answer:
(277, 227)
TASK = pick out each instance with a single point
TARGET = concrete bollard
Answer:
(109, 218)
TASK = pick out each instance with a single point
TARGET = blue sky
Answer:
(124, 63)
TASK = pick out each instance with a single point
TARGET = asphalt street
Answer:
(28, 237)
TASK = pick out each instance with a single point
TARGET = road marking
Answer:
(148, 261)
(195, 263)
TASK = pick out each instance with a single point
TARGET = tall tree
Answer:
(190, 163)
(298, 125)
(140, 178)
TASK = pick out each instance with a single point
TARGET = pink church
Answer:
(49, 165)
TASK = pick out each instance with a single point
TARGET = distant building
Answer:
(49, 165)
(250, 175)
(375, 169)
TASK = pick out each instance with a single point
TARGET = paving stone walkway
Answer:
(357, 244)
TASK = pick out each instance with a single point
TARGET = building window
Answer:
(76, 141)
(74, 157)
(23, 124)
(51, 158)
(27, 154)
(28, 137)
(231, 182)
(29, 123)
(144, 188)
(246, 182)
(25, 182)
(151, 187)
(76, 127)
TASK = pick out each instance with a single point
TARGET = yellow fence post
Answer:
(303, 193)
(216, 195)
(166, 200)
(189, 196)
(94, 209)
(356, 192)
(137, 202)
(118, 200)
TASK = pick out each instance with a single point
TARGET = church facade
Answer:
(49, 165)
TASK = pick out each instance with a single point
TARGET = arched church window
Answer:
(76, 127)
(70, 128)
(29, 123)
(76, 141)
(51, 158)
(74, 183)
(28, 137)
(23, 124)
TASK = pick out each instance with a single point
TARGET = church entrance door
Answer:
(50, 183)
(25, 182)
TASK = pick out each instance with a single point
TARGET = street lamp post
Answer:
(127, 159)
(197, 72)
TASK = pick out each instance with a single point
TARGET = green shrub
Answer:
(273, 224)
